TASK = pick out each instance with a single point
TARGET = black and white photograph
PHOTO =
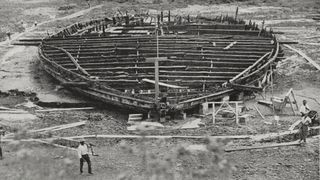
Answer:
(159, 89)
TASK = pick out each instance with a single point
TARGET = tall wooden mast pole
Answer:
(156, 68)
(236, 15)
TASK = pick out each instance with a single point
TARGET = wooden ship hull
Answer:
(199, 60)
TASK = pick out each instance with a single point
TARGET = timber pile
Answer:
(113, 60)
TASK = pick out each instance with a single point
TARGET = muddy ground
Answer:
(124, 159)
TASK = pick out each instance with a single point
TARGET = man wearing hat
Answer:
(83, 153)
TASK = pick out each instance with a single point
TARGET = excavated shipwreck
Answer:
(138, 61)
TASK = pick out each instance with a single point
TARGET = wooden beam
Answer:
(249, 68)
(259, 112)
(262, 137)
(288, 42)
(305, 97)
(53, 144)
(13, 112)
(156, 137)
(64, 109)
(265, 146)
(164, 84)
(72, 59)
(246, 87)
(208, 96)
(53, 128)
(75, 84)
(60, 127)
(305, 56)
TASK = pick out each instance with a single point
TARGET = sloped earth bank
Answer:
(20, 70)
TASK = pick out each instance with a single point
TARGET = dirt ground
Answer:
(124, 159)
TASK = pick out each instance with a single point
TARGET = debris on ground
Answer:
(193, 124)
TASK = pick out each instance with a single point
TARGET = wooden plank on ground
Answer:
(52, 144)
(294, 125)
(53, 128)
(305, 56)
(157, 137)
(14, 112)
(60, 127)
(265, 146)
(64, 109)
(269, 136)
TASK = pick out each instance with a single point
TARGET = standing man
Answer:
(304, 109)
(9, 35)
(83, 153)
(303, 131)
(2, 132)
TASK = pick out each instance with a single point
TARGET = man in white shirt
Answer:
(83, 154)
(304, 109)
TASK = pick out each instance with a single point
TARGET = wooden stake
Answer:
(213, 114)
(236, 15)
(237, 114)
(259, 112)
(271, 79)
(295, 100)
(294, 113)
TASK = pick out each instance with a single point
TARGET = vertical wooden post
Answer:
(156, 69)
(198, 30)
(213, 113)
(161, 16)
(114, 20)
(2, 132)
(294, 98)
(1, 157)
(262, 25)
(236, 16)
(169, 17)
(149, 115)
(184, 114)
(205, 108)
(237, 113)
(127, 20)
(141, 21)
(294, 113)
